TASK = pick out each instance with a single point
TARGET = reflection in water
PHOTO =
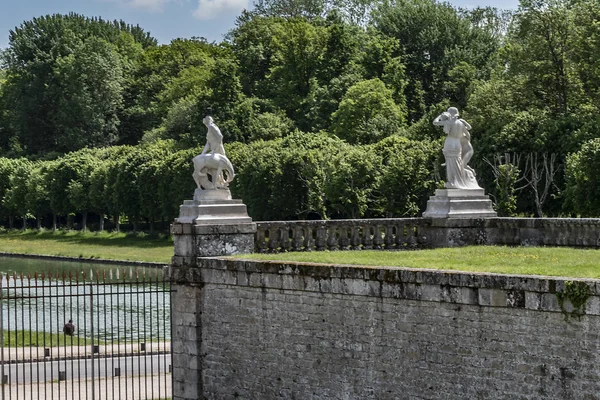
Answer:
(107, 303)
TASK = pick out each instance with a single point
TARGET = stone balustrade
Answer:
(346, 234)
(410, 233)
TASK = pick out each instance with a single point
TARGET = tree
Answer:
(407, 175)
(64, 81)
(583, 183)
(433, 39)
(290, 8)
(584, 50)
(540, 51)
(367, 113)
(7, 167)
(15, 198)
(175, 183)
(297, 54)
(68, 184)
(125, 183)
(507, 180)
(36, 197)
(352, 183)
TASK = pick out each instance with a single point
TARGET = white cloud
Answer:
(150, 5)
(208, 9)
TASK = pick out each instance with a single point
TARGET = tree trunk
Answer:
(135, 226)
(117, 225)
(39, 223)
(54, 222)
(69, 222)
(84, 221)
(101, 222)
(11, 221)
(24, 222)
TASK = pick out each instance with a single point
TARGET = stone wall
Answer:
(267, 330)
(408, 233)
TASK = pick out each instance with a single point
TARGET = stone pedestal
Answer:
(212, 224)
(459, 203)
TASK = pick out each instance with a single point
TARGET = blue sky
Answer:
(164, 19)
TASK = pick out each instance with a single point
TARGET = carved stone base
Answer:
(214, 194)
(459, 203)
(213, 212)
(211, 225)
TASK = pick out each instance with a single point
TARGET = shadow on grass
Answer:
(112, 239)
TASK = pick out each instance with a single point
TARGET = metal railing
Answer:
(88, 335)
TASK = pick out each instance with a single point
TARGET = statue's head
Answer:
(207, 120)
(453, 111)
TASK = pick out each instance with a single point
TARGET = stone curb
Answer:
(144, 264)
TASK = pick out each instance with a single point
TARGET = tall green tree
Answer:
(583, 185)
(15, 198)
(434, 38)
(540, 51)
(65, 77)
(367, 114)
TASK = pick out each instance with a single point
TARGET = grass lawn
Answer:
(41, 339)
(104, 245)
(553, 261)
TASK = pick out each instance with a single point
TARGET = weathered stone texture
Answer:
(186, 341)
(410, 233)
(298, 331)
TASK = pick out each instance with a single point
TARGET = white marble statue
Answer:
(457, 150)
(212, 161)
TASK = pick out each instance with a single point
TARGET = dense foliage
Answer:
(325, 105)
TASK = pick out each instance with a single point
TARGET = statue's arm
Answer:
(218, 133)
(206, 147)
(438, 121)
(467, 125)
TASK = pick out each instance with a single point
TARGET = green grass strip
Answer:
(42, 339)
(551, 261)
(101, 245)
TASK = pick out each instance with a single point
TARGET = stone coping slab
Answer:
(483, 289)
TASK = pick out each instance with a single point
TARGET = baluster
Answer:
(389, 239)
(400, 236)
(514, 226)
(344, 241)
(560, 233)
(411, 236)
(321, 239)
(309, 238)
(579, 228)
(285, 238)
(377, 237)
(586, 233)
(367, 239)
(572, 234)
(274, 239)
(260, 245)
(355, 239)
(548, 233)
(298, 239)
(332, 238)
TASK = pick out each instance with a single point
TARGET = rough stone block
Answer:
(532, 300)
(493, 297)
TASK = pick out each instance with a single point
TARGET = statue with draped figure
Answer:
(457, 150)
(461, 197)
